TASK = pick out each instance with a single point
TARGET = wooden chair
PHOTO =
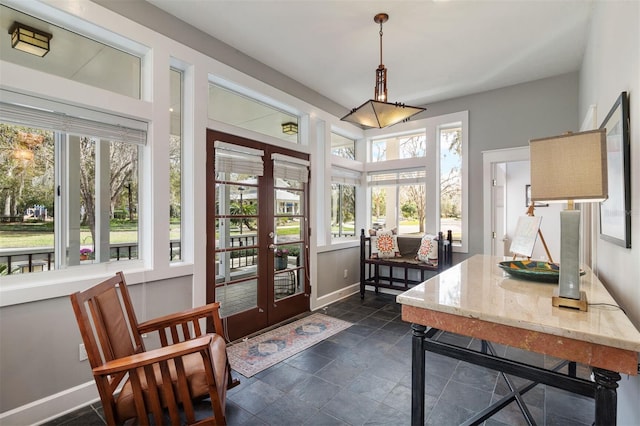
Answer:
(135, 383)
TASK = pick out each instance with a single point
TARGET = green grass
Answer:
(40, 234)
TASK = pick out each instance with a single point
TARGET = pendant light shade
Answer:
(377, 112)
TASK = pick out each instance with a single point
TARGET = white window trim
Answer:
(432, 128)
(356, 168)
(23, 288)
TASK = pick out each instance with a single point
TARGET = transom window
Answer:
(410, 146)
(343, 147)
(245, 112)
(76, 57)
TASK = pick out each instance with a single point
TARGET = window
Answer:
(451, 180)
(410, 146)
(398, 201)
(77, 57)
(343, 147)
(399, 172)
(234, 108)
(70, 186)
(344, 190)
(175, 166)
(343, 210)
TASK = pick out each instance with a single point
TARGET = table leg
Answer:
(606, 396)
(417, 374)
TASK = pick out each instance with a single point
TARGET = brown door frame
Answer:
(268, 311)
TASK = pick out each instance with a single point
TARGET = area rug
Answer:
(261, 352)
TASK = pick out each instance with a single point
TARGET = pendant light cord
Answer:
(381, 43)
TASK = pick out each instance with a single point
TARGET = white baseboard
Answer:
(335, 296)
(53, 406)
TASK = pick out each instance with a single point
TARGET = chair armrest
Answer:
(130, 362)
(179, 318)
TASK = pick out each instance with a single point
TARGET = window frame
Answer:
(71, 123)
(431, 126)
(336, 166)
(176, 68)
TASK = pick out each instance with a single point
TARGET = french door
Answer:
(257, 232)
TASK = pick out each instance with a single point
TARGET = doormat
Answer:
(261, 352)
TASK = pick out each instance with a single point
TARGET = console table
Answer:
(478, 299)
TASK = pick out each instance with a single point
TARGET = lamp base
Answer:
(566, 302)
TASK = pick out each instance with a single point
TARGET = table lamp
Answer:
(570, 168)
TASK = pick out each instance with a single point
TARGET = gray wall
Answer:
(611, 65)
(39, 350)
(331, 266)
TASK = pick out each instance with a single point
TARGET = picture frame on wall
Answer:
(615, 211)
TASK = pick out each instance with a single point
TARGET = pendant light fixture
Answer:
(29, 39)
(377, 112)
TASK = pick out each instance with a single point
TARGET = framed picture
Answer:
(527, 196)
(615, 212)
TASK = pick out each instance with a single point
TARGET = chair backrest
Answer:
(107, 321)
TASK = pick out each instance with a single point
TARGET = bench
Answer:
(379, 273)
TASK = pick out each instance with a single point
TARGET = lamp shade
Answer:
(376, 114)
(571, 167)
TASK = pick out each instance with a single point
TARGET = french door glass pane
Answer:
(237, 296)
(236, 242)
(289, 211)
(289, 270)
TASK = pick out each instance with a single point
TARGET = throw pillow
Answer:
(428, 251)
(384, 246)
(373, 232)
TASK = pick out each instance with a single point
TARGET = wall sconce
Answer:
(569, 168)
(29, 40)
(290, 128)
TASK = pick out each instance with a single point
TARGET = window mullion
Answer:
(103, 201)
(61, 198)
(72, 202)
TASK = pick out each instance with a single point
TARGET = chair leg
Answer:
(231, 382)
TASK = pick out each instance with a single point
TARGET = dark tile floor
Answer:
(362, 376)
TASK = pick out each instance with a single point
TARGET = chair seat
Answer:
(195, 375)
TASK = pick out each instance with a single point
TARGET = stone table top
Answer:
(479, 292)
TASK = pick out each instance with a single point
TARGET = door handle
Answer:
(271, 234)
(271, 246)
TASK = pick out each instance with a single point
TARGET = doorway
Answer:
(496, 210)
(257, 232)
(506, 178)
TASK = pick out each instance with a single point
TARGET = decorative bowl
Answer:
(533, 270)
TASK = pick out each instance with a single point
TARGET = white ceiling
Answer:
(434, 50)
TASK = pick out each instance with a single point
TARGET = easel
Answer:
(544, 243)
